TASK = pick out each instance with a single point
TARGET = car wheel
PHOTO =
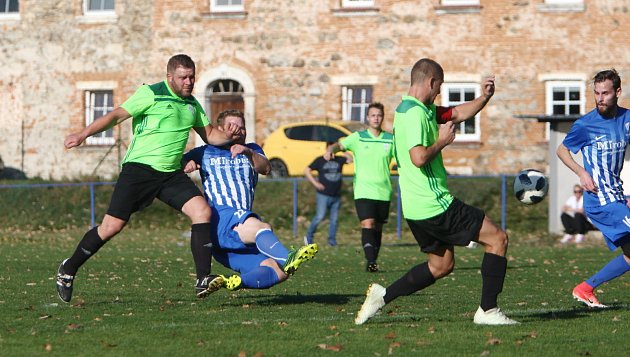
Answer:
(278, 168)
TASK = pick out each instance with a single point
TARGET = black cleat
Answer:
(371, 267)
(64, 283)
(208, 285)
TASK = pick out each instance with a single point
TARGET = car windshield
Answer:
(353, 126)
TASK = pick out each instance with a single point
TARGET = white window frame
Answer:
(10, 15)
(357, 3)
(461, 135)
(459, 2)
(549, 102)
(563, 2)
(101, 138)
(226, 8)
(347, 105)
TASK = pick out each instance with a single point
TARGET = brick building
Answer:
(66, 62)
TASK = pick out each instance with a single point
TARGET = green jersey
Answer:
(372, 156)
(423, 190)
(161, 125)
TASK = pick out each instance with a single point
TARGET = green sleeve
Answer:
(201, 120)
(414, 131)
(350, 141)
(139, 102)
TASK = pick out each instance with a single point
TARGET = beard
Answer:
(607, 110)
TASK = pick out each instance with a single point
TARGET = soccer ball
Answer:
(530, 186)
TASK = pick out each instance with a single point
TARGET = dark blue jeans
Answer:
(325, 203)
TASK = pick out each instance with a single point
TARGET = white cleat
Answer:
(373, 302)
(493, 317)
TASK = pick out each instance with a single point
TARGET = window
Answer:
(357, 3)
(355, 101)
(227, 6)
(564, 98)
(97, 104)
(9, 9)
(459, 2)
(458, 93)
(99, 5)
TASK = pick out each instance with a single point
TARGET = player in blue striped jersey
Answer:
(602, 136)
(241, 240)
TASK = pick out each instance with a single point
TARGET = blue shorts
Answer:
(228, 249)
(613, 220)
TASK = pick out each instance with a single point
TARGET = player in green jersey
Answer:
(438, 221)
(163, 114)
(373, 151)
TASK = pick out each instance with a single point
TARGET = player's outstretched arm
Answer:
(468, 110)
(585, 178)
(103, 123)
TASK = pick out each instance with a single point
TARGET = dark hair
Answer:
(609, 74)
(377, 105)
(424, 68)
(227, 113)
(179, 60)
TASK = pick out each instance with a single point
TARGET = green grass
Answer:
(136, 296)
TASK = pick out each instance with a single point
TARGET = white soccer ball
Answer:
(530, 186)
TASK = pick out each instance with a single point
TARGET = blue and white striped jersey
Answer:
(602, 142)
(226, 181)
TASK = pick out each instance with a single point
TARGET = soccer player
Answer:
(602, 136)
(437, 220)
(328, 197)
(163, 114)
(241, 241)
(373, 151)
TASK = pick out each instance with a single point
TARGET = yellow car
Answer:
(292, 147)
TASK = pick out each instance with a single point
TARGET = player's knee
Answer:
(202, 213)
(498, 243)
(109, 229)
(441, 270)
(273, 264)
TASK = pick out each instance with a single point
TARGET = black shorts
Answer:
(458, 225)
(139, 184)
(366, 209)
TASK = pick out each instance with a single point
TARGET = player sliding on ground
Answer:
(241, 241)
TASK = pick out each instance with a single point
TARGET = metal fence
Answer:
(293, 181)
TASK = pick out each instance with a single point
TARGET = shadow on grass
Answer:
(329, 299)
(564, 314)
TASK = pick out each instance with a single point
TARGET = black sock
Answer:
(368, 239)
(87, 247)
(493, 269)
(416, 279)
(378, 238)
(201, 247)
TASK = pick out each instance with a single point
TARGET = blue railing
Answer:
(294, 180)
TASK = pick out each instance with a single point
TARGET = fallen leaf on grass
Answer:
(335, 348)
(332, 327)
(43, 317)
(493, 341)
(48, 347)
(283, 323)
(616, 318)
(107, 344)
(390, 335)
(78, 303)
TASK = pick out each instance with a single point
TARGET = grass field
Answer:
(136, 296)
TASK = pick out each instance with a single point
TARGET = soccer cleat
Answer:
(584, 293)
(492, 317)
(299, 256)
(208, 285)
(371, 267)
(64, 283)
(232, 282)
(373, 302)
(579, 238)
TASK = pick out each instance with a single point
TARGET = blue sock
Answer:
(262, 277)
(613, 269)
(268, 244)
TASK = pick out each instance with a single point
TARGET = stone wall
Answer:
(295, 53)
